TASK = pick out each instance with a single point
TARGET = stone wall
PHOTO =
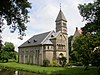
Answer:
(30, 55)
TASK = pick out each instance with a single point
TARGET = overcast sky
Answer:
(42, 18)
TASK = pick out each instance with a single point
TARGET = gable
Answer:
(77, 33)
(47, 40)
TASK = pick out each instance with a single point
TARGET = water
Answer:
(13, 72)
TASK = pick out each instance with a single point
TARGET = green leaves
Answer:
(8, 46)
(15, 12)
(7, 52)
(84, 46)
(91, 13)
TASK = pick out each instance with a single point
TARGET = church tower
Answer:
(61, 25)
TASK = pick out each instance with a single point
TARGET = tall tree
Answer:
(15, 13)
(7, 52)
(91, 13)
(90, 39)
(84, 45)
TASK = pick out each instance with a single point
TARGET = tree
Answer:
(7, 52)
(62, 60)
(96, 58)
(91, 31)
(15, 13)
(69, 43)
(73, 54)
(4, 56)
(8, 46)
(91, 13)
(84, 45)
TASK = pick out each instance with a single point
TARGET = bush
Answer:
(55, 63)
(46, 62)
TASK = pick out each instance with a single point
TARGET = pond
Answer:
(13, 72)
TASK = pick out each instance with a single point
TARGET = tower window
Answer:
(58, 23)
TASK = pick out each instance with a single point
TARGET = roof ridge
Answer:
(41, 33)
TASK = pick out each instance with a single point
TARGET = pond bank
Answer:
(49, 70)
(14, 72)
(30, 68)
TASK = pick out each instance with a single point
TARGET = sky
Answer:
(42, 19)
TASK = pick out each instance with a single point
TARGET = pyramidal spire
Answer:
(60, 16)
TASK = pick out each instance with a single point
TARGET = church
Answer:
(48, 45)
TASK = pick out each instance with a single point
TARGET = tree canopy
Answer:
(15, 13)
(85, 44)
(7, 52)
(91, 13)
(8, 46)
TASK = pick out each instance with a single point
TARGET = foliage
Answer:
(8, 46)
(77, 64)
(69, 43)
(7, 52)
(62, 60)
(74, 57)
(75, 71)
(4, 56)
(15, 13)
(54, 63)
(84, 45)
(91, 13)
(96, 57)
(46, 62)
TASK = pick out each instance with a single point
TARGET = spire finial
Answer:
(60, 6)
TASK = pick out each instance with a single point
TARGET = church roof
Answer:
(39, 39)
(60, 16)
(77, 33)
(35, 40)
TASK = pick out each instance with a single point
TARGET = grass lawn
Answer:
(49, 70)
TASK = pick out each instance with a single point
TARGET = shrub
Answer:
(62, 61)
(46, 62)
(55, 63)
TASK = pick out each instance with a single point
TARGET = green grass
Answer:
(30, 68)
(49, 70)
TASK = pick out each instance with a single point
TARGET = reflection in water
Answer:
(6, 72)
(12, 72)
